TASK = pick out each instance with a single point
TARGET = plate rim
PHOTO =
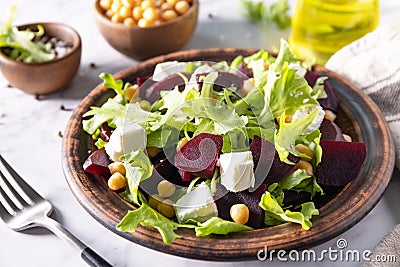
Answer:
(230, 248)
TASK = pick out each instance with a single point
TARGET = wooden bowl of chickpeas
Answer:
(142, 29)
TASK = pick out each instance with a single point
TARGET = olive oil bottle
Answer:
(321, 27)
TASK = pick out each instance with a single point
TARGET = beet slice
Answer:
(97, 163)
(151, 89)
(332, 101)
(244, 70)
(330, 131)
(200, 155)
(224, 80)
(341, 162)
(225, 199)
(268, 167)
(105, 132)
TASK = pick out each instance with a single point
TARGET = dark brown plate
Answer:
(358, 116)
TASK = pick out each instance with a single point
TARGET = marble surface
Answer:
(30, 141)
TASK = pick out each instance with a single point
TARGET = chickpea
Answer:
(116, 18)
(151, 14)
(171, 2)
(115, 7)
(165, 188)
(166, 208)
(137, 12)
(147, 3)
(305, 165)
(305, 150)
(127, 3)
(117, 181)
(168, 15)
(154, 200)
(109, 13)
(131, 92)
(165, 6)
(239, 213)
(144, 23)
(124, 12)
(181, 7)
(117, 167)
(181, 143)
(105, 4)
(329, 115)
(152, 151)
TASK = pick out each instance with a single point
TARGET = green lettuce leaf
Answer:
(274, 214)
(216, 225)
(146, 216)
(138, 168)
(117, 85)
(288, 133)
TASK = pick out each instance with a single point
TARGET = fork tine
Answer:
(29, 192)
(7, 204)
(12, 192)
(4, 213)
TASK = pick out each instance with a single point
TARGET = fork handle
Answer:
(87, 254)
(93, 259)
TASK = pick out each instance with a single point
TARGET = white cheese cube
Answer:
(237, 171)
(198, 205)
(125, 139)
(165, 69)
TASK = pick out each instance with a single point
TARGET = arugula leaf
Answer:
(259, 12)
(216, 225)
(111, 83)
(146, 216)
(274, 214)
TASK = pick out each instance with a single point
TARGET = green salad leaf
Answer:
(216, 225)
(146, 216)
(274, 214)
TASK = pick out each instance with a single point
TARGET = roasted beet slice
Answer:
(97, 163)
(244, 70)
(341, 162)
(332, 101)
(224, 201)
(224, 80)
(200, 155)
(268, 167)
(151, 89)
(330, 131)
(293, 198)
(105, 132)
(169, 172)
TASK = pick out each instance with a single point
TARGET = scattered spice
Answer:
(62, 107)
(38, 97)
(60, 134)
(210, 15)
(93, 65)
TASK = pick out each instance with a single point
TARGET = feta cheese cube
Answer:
(300, 114)
(198, 205)
(165, 69)
(237, 171)
(125, 139)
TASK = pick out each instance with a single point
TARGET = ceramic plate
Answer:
(358, 116)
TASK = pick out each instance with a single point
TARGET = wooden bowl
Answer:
(358, 116)
(46, 77)
(141, 43)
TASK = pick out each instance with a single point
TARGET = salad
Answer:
(222, 147)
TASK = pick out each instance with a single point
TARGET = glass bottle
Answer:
(321, 27)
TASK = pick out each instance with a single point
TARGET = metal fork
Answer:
(21, 207)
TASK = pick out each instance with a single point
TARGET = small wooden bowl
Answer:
(141, 43)
(358, 116)
(46, 77)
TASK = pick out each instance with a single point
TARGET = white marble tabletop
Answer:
(30, 141)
